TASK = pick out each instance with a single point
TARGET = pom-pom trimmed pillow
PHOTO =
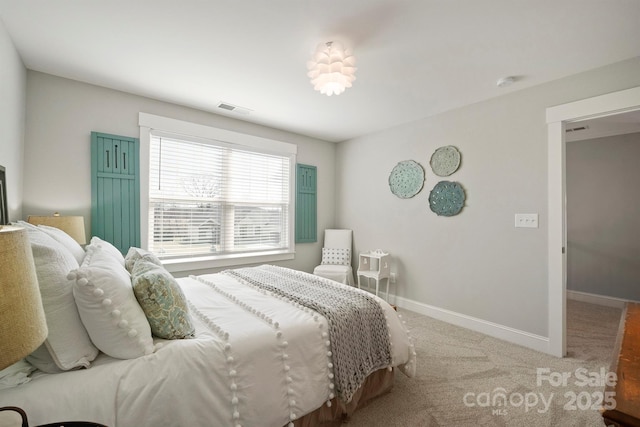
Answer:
(108, 308)
(68, 345)
(108, 248)
(134, 254)
(334, 256)
(162, 300)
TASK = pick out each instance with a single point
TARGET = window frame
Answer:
(152, 123)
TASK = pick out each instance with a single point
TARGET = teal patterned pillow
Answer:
(147, 262)
(162, 301)
(134, 254)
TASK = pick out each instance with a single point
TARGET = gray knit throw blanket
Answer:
(358, 329)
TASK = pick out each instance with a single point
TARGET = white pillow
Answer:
(108, 248)
(24, 224)
(41, 358)
(68, 343)
(16, 374)
(108, 307)
(65, 240)
(335, 256)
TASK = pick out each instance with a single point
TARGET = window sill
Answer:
(192, 265)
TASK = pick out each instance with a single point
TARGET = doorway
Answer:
(558, 118)
(603, 214)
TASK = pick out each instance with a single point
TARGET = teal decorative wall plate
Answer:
(406, 179)
(445, 160)
(447, 198)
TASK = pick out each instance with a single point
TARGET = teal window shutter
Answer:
(306, 204)
(115, 190)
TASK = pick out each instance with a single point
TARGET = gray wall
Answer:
(603, 216)
(61, 114)
(475, 264)
(13, 81)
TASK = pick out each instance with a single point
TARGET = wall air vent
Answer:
(233, 108)
(577, 129)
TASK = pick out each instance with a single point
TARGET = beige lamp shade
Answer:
(23, 326)
(72, 225)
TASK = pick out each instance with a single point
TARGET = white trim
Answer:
(181, 127)
(145, 147)
(192, 265)
(599, 106)
(597, 299)
(515, 336)
(556, 257)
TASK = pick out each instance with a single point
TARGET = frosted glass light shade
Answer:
(22, 322)
(331, 68)
(72, 225)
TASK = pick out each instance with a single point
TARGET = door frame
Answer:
(557, 116)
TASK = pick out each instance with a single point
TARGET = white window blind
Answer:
(213, 198)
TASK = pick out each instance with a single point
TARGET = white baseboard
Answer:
(596, 299)
(515, 336)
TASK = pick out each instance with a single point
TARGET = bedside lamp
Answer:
(23, 326)
(72, 225)
(22, 323)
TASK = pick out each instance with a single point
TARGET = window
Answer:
(214, 199)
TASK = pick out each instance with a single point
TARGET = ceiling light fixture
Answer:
(331, 68)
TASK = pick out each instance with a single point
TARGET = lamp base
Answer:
(12, 416)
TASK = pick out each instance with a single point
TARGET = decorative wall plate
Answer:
(445, 160)
(447, 198)
(406, 179)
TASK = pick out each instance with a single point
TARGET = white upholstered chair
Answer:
(336, 257)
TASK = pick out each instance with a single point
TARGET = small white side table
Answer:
(375, 265)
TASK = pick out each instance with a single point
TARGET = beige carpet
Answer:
(454, 362)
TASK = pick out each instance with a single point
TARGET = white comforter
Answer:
(240, 370)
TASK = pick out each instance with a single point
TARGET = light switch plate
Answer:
(527, 220)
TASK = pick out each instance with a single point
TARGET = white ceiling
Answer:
(414, 58)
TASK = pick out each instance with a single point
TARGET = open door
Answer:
(557, 118)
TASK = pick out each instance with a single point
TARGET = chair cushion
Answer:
(339, 273)
(336, 256)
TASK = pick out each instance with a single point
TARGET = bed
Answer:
(264, 346)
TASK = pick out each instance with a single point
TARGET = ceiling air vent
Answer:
(234, 108)
(577, 129)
